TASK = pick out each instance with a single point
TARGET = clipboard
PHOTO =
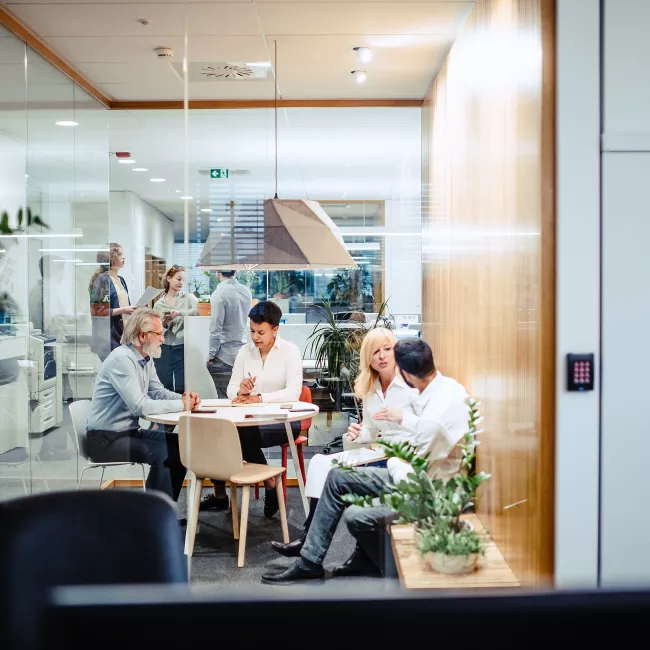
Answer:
(149, 294)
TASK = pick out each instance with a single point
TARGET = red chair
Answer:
(301, 440)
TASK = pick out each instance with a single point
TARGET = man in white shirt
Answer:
(438, 423)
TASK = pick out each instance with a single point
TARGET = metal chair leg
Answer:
(101, 479)
(81, 476)
(47, 487)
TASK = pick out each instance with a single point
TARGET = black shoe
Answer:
(358, 564)
(271, 505)
(292, 549)
(182, 522)
(214, 503)
(297, 571)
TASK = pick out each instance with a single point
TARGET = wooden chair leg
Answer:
(279, 482)
(284, 464)
(257, 491)
(235, 510)
(246, 495)
(193, 515)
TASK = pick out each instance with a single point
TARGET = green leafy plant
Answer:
(204, 299)
(198, 288)
(32, 220)
(435, 506)
(327, 343)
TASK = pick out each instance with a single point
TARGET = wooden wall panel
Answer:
(488, 256)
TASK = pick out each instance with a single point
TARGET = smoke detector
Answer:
(164, 52)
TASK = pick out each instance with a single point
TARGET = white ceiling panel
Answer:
(105, 41)
(110, 19)
(364, 17)
(127, 49)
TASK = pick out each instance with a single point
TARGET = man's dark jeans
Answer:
(157, 449)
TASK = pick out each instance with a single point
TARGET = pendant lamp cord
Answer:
(275, 86)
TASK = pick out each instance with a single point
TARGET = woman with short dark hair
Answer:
(269, 369)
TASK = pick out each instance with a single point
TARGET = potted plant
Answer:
(446, 541)
(204, 306)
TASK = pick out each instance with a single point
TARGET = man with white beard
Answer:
(126, 389)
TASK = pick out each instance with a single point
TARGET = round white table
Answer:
(237, 415)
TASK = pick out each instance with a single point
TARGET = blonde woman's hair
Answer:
(141, 320)
(372, 341)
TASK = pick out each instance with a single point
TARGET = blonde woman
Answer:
(381, 387)
(109, 296)
(173, 306)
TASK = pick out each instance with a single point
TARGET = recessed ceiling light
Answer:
(178, 191)
(186, 198)
(359, 76)
(157, 180)
(128, 161)
(206, 209)
(364, 54)
(66, 123)
(139, 169)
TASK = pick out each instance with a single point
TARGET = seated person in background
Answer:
(440, 416)
(379, 385)
(126, 389)
(269, 369)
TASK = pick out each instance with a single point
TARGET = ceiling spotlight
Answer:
(128, 161)
(206, 209)
(139, 169)
(359, 76)
(178, 191)
(186, 198)
(364, 54)
(66, 123)
(157, 180)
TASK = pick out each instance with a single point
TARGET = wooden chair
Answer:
(210, 448)
(301, 441)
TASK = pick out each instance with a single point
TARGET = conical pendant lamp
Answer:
(294, 234)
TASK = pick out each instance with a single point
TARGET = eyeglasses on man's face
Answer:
(160, 335)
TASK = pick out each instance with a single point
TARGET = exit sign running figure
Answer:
(218, 173)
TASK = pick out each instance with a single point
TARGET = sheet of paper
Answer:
(149, 294)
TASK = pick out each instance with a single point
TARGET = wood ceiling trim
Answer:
(20, 30)
(266, 103)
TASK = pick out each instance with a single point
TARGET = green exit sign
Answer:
(218, 173)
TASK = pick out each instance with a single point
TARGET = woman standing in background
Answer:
(109, 296)
(173, 306)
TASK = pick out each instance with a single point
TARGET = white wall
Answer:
(403, 256)
(625, 525)
(578, 289)
(140, 229)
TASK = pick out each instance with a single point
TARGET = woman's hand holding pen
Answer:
(246, 386)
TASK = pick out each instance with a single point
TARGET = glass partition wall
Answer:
(54, 202)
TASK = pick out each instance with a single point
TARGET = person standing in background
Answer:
(109, 296)
(174, 305)
(230, 304)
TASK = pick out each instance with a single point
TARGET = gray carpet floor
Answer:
(215, 551)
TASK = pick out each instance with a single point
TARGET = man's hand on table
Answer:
(247, 399)
(190, 400)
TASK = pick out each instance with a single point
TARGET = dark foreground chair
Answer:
(80, 538)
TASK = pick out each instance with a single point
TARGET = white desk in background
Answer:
(237, 415)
